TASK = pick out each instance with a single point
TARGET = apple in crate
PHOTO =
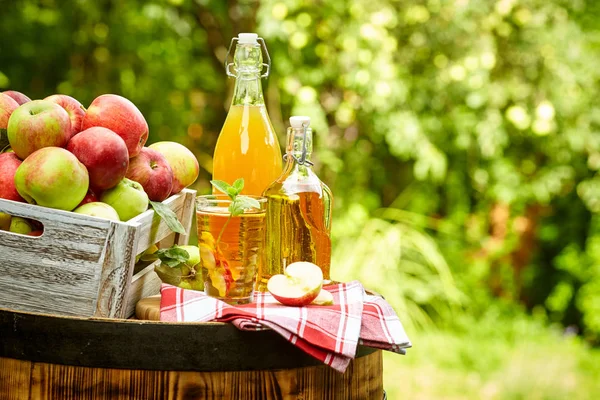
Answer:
(90, 197)
(38, 124)
(99, 210)
(9, 163)
(19, 97)
(52, 177)
(73, 107)
(120, 116)
(20, 225)
(299, 286)
(104, 154)
(127, 198)
(152, 171)
(7, 106)
(182, 161)
(4, 221)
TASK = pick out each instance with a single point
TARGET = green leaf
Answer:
(232, 192)
(221, 186)
(235, 210)
(168, 216)
(3, 140)
(246, 202)
(239, 185)
(174, 253)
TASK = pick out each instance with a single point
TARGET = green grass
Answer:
(496, 358)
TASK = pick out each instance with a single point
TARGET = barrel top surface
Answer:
(150, 345)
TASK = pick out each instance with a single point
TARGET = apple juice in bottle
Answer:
(298, 216)
(247, 146)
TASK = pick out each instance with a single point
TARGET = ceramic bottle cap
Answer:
(248, 38)
(297, 121)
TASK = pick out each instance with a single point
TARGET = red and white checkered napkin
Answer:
(328, 333)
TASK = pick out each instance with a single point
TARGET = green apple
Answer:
(4, 221)
(20, 225)
(127, 198)
(182, 161)
(185, 275)
(52, 177)
(99, 210)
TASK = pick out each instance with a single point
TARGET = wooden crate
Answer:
(81, 265)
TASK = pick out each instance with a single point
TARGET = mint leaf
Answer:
(3, 140)
(232, 192)
(246, 202)
(168, 216)
(239, 185)
(221, 186)
(235, 210)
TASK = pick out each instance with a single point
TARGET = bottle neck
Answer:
(296, 145)
(248, 67)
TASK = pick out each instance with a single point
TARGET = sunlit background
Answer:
(461, 140)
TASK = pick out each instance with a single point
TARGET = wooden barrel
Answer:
(51, 357)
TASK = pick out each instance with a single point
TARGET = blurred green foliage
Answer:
(461, 138)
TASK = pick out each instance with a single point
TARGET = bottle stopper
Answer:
(298, 122)
(248, 38)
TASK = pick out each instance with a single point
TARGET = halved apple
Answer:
(323, 299)
(299, 286)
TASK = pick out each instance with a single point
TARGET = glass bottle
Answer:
(247, 146)
(299, 205)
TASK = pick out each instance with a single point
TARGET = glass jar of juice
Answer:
(247, 146)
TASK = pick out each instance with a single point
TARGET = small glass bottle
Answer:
(299, 206)
(247, 146)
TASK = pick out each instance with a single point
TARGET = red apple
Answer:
(9, 162)
(38, 124)
(182, 161)
(7, 106)
(90, 197)
(299, 286)
(103, 153)
(73, 107)
(120, 116)
(151, 170)
(19, 97)
(52, 177)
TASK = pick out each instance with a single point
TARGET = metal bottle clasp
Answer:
(228, 65)
(302, 160)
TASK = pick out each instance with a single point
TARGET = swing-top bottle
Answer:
(299, 206)
(247, 146)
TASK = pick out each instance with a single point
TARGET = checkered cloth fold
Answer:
(328, 333)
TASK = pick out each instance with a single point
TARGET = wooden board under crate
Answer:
(81, 265)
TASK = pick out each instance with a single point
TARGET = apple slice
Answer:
(323, 299)
(299, 286)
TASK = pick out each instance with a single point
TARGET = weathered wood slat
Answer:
(80, 265)
(153, 229)
(145, 283)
